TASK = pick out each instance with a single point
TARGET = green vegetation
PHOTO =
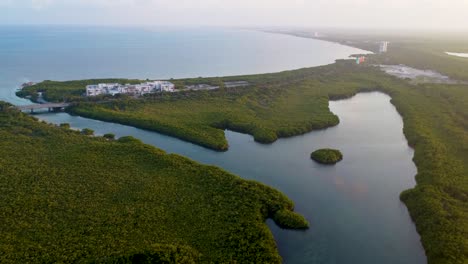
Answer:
(327, 156)
(87, 132)
(70, 198)
(65, 125)
(422, 51)
(436, 123)
(428, 56)
(267, 110)
(109, 136)
(54, 91)
(288, 219)
(157, 254)
(295, 102)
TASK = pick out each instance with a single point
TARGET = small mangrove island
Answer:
(327, 156)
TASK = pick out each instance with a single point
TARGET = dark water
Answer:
(353, 207)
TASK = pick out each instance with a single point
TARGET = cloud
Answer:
(6, 3)
(312, 13)
(40, 4)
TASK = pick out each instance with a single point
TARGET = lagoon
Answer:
(353, 207)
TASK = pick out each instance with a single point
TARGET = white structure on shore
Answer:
(131, 89)
(383, 46)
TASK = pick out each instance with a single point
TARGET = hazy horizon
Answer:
(366, 14)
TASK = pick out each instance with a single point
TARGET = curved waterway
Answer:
(353, 207)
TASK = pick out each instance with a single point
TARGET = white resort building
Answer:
(132, 89)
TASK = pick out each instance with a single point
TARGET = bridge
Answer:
(51, 107)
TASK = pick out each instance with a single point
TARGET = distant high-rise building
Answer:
(383, 46)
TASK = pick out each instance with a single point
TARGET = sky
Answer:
(388, 14)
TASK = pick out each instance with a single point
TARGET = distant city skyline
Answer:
(388, 14)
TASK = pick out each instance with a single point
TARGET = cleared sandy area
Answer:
(416, 75)
(463, 55)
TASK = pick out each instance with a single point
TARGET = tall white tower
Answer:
(383, 46)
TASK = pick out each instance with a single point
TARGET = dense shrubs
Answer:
(65, 125)
(326, 156)
(161, 254)
(70, 198)
(109, 136)
(287, 219)
(435, 125)
(264, 113)
(87, 132)
(129, 139)
(265, 136)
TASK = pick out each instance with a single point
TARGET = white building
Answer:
(383, 46)
(134, 89)
(167, 86)
(93, 90)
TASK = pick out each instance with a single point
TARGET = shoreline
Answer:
(74, 109)
(411, 105)
(325, 39)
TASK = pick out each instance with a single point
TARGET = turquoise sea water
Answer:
(353, 207)
(64, 53)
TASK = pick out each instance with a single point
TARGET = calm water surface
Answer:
(69, 53)
(353, 207)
